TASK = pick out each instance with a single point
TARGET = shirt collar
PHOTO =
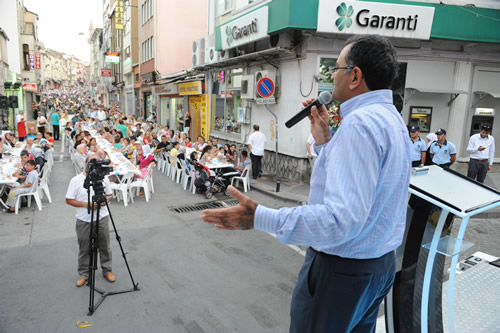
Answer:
(382, 96)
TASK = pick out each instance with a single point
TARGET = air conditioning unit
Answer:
(247, 87)
(283, 40)
(211, 54)
(226, 54)
(261, 74)
(198, 52)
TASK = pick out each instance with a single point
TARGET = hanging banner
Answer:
(37, 60)
(204, 116)
(119, 15)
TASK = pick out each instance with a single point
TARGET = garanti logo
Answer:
(229, 35)
(345, 19)
(235, 33)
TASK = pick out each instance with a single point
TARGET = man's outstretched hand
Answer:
(239, 217)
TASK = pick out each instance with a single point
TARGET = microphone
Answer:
(324, 98)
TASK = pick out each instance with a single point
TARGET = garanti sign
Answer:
(360, 18)
(245, 29)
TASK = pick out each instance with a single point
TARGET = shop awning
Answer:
(432, 77)
(487, 80)
(240, 60)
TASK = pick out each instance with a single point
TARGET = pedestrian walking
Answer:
(482, 149)
(256, 143)
(55, 123)
(41, 122)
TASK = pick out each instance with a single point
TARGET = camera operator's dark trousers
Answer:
(83, 234)
(335, 294)
(256, 165)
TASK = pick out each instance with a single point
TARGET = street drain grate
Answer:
(204, 205)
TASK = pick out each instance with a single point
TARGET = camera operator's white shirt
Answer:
(76, 191)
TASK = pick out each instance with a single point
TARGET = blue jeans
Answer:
(335, 294)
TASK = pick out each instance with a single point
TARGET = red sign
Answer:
(30, 87)
(105, 72)
(37, 60)
(265, 87)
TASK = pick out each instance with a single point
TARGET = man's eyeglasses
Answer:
(334, 70)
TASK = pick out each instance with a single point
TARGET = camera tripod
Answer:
(98, 199)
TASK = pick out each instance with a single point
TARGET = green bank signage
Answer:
(358, 17)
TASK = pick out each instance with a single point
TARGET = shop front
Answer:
(170, 105)
(192, 98)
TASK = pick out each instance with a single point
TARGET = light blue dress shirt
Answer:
(442, 154)
(359, 186)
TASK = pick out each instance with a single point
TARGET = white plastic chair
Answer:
(44, 183)
(123, 189)
(142, 183)
(245, 178)
(33, 193)
(168, 165)
(177, 169)
(186, 176)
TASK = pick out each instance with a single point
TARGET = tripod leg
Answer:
(118, 238)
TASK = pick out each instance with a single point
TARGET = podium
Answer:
(436, 196)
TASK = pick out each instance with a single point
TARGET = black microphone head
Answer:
(325, 98)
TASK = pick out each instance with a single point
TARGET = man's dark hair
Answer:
(31, 162)
(256, 127)
(120, 122)
(25, 153)
(376, 57)
(244, 153)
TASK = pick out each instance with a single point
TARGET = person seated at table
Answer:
(50, 139)
(87, 136)
(147, 138)
(175, 149)
(246, 162)
(92, 149)
(80, 156)
(21, 172)
(208, 154)
(144, 158)
(31, 133)
(107, 135)
(200, 144)
(233, 155)
(154, 139)
(210, 143)
(79, 139)
(118, 144)
(162, 146)
(125, 145)
(31, 180)
(221, 154)
(42, 142)
(194, 156)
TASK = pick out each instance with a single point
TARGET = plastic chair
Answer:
(44, 183)
(33, 193)
(186, 176)
(245, 178)
(123, 189)
(177, 169)
(144, 183)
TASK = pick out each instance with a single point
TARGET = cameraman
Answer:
(77, 197)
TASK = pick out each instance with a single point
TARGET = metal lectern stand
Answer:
(414, 303)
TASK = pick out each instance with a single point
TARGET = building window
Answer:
(29, 29)
(26, 57)
(227, 101)
(223, 6)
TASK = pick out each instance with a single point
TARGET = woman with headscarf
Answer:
(144, 158)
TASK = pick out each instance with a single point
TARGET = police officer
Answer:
(443, 152)
(418, 148)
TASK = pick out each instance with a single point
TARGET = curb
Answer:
(278, 196)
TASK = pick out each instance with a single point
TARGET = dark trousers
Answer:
(83, 235)
(415, 163)
(477, 170)
(56, 132)
(256, 165)
(42, 130)
(21, 139)
(335, 294)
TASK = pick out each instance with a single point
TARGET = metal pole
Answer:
(278, 180)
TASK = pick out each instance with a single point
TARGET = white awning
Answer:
(487, 80)
(432, 77)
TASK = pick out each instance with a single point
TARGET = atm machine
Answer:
(482, 116)
(437, 195)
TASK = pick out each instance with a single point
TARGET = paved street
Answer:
(193, 278)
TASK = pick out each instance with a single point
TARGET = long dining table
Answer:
(8, 163)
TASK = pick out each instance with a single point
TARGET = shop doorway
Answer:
(478, 122)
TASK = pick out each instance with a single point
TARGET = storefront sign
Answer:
(245, 29)
(30, 87)
(119, 15)
(190, 88)
(167, 89)
(106, 72)
(32, 62)
(112, 57)
(204, 116)
(421, 110)
(37, 60)
(484, 112)
(359, 17)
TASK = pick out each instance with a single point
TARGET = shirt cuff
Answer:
(266, 219)
(319, 148)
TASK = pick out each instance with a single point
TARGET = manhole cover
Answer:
(204, 205)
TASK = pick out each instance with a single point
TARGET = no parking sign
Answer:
(265, 89)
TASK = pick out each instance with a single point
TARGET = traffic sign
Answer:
(265, 87)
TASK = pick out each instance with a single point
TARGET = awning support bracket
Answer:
(453, 97)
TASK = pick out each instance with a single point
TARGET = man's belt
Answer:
(483, 160)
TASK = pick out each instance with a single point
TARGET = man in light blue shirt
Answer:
(418, 147)
(356, 213)
(55, 124)
(442, 151)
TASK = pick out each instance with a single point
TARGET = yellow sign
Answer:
(119, 15)
(204, 116)
(190, 88)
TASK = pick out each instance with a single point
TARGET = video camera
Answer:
(98, 169)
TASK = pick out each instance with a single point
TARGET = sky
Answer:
(61, 21)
